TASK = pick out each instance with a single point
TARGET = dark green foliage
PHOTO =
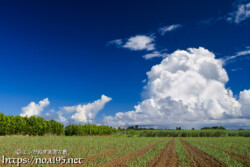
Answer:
(3, 124)
(214, 128)
(10, 125)
(88, 129)
(130, 127)
(54, 127)
(136, 126)
(178, 128)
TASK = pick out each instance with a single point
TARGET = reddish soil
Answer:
(121, 161)
(198, 158)
(167, 157)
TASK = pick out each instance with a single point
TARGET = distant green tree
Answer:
(178, 128)
(42, 126)
(136, 126)
(3, 124)
(20, 124)
(131, 127)
(11, 125)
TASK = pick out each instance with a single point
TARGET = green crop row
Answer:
(148, 155)
(88, 129)
(184, 160)
(187, 133)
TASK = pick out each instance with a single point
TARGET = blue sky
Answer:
(62, 50)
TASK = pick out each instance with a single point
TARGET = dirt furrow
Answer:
(198, 158)
(121, 161)
(167, 157)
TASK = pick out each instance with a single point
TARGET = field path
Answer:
(121, 161)
(198, 158)
(167, 157)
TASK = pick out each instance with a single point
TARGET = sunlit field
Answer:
(132, 151)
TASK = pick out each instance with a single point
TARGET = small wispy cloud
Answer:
(241, 13)
(238, 54)
(236, 69)
(140, 42)
(117, 42)
(143, 42)
(169, 28)
(155, 54)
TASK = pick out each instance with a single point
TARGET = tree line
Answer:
(136, 127)
(17, 125)
(11, 125)
(214, 128)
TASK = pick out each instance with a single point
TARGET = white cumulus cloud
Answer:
(34, 109)
(86, 113)
(187, 87)
(165, 29)
(245, 102)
